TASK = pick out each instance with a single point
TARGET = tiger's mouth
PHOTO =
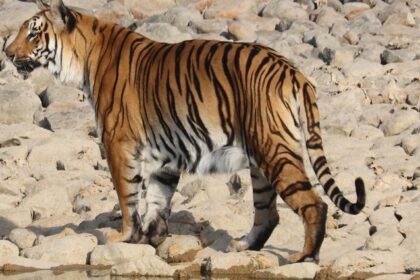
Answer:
(25, 65)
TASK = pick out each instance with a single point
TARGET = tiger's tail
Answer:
(309, 120)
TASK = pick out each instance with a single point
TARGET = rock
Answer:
(242, 31)
(62, 95)
(384, 239)
(383, 218)
(40, 79)
(295, 270)
(150, 265)
(22, 237)
(14, 218)
(210, 26)
(353, 8)
(72, 249)
(18, 106)
(398, 276)
(368, 261)
(114, 11)
(67, 116)
(328, 17)
(8, 249)
(413, 98)
(163, 32)
(399, 121)
(116, 253)
(144, 8)
(21, 264)
(351, 37)
(388, 56)
(229, 263)
(411, 144)
(276, 8)
(227, 9)
(181, 16)
(367, 132)
(16, 13)
(362, 68)
(179, 248)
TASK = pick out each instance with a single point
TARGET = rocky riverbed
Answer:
(56, 194)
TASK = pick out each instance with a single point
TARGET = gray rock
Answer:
(411, 144)
(384, 239)
(116, 253)
(22, 237)
(150, 265)
(210, 26)
(383, 218)
(362, 68)
(16, 13)
(366, 132)
(72, 249)
(179, 248)
(181, 16)
(388, 56)
(400, 121)
(18, 106)
(8, 249)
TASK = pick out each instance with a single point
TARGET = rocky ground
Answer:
(56, 194)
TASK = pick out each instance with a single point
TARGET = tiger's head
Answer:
(46, 40)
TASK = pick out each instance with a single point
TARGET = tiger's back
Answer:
(196, 106)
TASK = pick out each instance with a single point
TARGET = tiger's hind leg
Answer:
(160, 189)
(293, 186)
(266, 217)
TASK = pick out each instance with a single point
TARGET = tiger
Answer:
(197, 106)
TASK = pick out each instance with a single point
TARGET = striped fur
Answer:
(196, 106)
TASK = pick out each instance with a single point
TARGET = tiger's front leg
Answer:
(121, 157)
(160, 189)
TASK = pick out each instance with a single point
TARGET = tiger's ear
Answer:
(41, 5)
(61, 15)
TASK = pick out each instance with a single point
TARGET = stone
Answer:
(14, 218)
(389, 56)
(227, 9)
(229, 263)
(22, 237)
(399, 122)
(145, 8)
(163, 32)
(18, 263)
(242, 31)
(368, 261)
(40, 79)
(276, 8)
(116, 253)
(181, 16)
(18, 106)
(296, 270)
(150, 265)
(394, 276)
(384, 239)
(210, 26)
(72, 249)
(61, 94)
(16, 12)
(179, 248)
(362, 68)
(383, 218)
(367, 132)
(8, 249)
(115, 11)
(351, 37)
(411, 144)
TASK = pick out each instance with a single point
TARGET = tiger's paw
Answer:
(302, 257)
(237, 245)
(113, 235)
(155, 230)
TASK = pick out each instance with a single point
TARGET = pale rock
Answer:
(375, 114)
(145, 8)
(328, 17)
(259, 23)
(396, 7)
(412, 239)
(8, 249)
(383, 218)
(227, 9)
(229, 263)
(406, 212)
(399, 276)
(16, 13)
(210, 26)
(72, 249)
(40, 79)
(116, 253)
(25, 263)
(409, 20)
(115, 11)
(150, 265)
(242, 31)
(351, 37)
(179, 248)
(68, 116)
(86, 5)
(366, 132)
(343, 56)
(413, 98)
(411, 144)
(61, 94)
(362, 68)
(22, 237)
(163, 32)
(389, 56)
(14, 218)
(352, 7)
(368, 261)
(364, 22)
(276, 8)
(18, 106)
(305, 270)
(181, 16)
(400, 121)
(384, 239)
